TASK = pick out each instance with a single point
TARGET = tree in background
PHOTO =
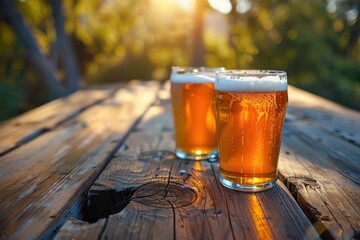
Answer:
(44, 67)
(316, 42)
(63, 50)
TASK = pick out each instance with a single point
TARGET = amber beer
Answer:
(250, 110)
(192, 92)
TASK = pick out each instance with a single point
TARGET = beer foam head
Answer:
(251, 81)
(193, 75)
(192, 78)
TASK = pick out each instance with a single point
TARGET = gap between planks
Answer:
(301, 175)
(30, 125)
(45, 187)
(150, 189)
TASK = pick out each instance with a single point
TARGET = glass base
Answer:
(247, 188)
(211, 157)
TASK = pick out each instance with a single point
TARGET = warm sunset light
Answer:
(259, 218)
(243, 6)
(138, 39)
(185, 5)
(198, 166)
(223, 6)
(146, 119)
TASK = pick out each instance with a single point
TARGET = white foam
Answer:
(251, 83)
(193, 78)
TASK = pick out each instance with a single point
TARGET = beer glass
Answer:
(250, 107)
(192, 92)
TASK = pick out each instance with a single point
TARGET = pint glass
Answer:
(250, 107)
(192, 92)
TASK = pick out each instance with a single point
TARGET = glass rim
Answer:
(250, 72)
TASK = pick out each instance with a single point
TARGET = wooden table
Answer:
(99, 164)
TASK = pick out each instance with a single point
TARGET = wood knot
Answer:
(165, 195)
(305, 181)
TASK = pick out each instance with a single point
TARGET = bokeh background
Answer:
(50, 48)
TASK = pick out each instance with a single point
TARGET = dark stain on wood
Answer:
(110, 202)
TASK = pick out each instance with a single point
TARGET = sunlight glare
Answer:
(243, 6)
(331, 6)
(222, 6)
(168, 8)
(352, 15)
(186, 5)
(198, 166)
(263, 230)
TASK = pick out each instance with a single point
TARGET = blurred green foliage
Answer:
(120, 40)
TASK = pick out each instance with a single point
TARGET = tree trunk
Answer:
(353, 38)
(232, 39)
(36, 59)
(198, 49)
(64, 48)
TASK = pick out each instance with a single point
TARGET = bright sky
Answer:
(186, 5)
(222, 6)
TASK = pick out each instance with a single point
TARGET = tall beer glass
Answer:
(250, 109)
(192, 92)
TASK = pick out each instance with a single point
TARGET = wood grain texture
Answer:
(330, 117)
(30, 125)
(44, 180)
(83, 230)
(183, 200)
(147, 193)
(320, 163)
(304, 99)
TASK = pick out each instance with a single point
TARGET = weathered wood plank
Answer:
(83, 230)
(327, 116)
(325, 183)
(183, 199)
(30, 125)
(151, 194)
(303, 99)
(320, 163)
(42, 181)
